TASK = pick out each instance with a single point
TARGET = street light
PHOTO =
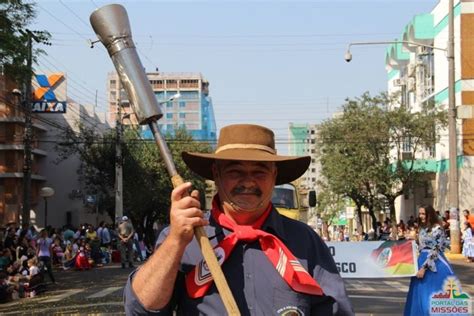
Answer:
(348, 54)
(453, 190)
(172, 98)
(46, 192)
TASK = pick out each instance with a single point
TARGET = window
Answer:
(187, 95)
(169, 116)
(182, 104)
(169, 127)
(160, 95)
(169, 104)
(406, 146)
(182, 115)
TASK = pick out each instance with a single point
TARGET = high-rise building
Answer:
(302, 142)
(192, 110)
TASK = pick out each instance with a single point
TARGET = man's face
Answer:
(248, 184)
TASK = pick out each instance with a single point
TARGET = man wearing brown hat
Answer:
(273, 265)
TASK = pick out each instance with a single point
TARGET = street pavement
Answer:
(99, 291)
(387, 296)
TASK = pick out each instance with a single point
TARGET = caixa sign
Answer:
(48, 107)
(49, 94)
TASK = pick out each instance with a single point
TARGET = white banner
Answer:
(375, 259)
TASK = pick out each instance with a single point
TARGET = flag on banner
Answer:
(395, 257)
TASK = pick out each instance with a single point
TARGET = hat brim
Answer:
(289, 168)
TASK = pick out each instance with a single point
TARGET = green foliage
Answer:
(15, 17)
(146, 184)
(361, 149)
(330, 205)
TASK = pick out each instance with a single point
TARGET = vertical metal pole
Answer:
(25, 214)
(118, 163)
(453, 193)
(45, 212)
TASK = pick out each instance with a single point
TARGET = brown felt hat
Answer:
(247, 142)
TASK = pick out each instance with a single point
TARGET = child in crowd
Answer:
(82, 262)
(58, 253)
(468, 242)
(69, 258)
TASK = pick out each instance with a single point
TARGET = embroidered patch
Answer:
(290, 311)
(203, 274)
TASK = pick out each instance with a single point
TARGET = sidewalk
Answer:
(454, 256)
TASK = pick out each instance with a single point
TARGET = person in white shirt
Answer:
(44, 252)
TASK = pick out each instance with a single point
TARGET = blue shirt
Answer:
(256, 285)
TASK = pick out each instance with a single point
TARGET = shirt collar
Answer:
(273, 225)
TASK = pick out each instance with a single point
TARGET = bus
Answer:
(286, 200)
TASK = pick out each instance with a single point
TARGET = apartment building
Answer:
(53, 113)
(184, 100)
(420, 74)
(302, 142)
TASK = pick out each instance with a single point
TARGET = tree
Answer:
(146, 184)
(361, 150)
(329, 207)
(15, 18)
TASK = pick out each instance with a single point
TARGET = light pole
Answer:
(119, 163)
(119, 158)
(348, 54)
(453, 190)
(46, 192)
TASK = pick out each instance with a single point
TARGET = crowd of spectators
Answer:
(29, 259)
(409, 230)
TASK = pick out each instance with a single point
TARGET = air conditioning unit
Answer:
(423, 50)
(399, 82)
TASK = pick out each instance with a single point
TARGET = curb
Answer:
(454, 256)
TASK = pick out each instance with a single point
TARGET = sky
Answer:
(268, 62)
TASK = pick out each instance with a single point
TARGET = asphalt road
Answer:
(99, 291)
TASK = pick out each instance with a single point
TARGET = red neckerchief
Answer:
(199, 280)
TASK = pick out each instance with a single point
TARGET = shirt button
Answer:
(249, 275)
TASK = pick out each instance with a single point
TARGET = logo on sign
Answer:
(45, 99)
(452, 301)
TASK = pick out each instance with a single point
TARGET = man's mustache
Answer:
(244, 190)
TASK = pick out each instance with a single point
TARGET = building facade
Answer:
(302, 142)
(192, 110)
(12, 127)
(50, 120)
(420, 75)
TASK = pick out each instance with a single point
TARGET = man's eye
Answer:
(233, 173)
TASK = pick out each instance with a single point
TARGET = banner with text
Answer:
(375, 259)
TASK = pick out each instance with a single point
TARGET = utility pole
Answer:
(453, 188)
(27, 134)
(118, 163)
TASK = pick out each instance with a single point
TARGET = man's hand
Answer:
(421, 273)
(185, 214)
